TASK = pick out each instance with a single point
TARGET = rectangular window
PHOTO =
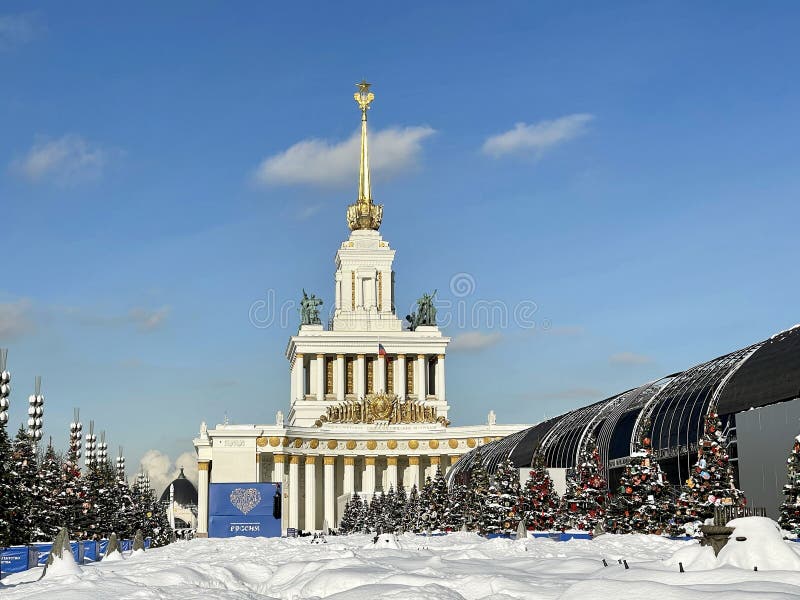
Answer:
(410, 376)
(390, 375)
(329, 364)
(370, 374)
(349, 388)
(432, 377)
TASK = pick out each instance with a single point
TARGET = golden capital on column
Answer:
(330, 460)
(413, 460)
(369, 461)
(319, 355)
(294, 459)
(434, 460)
(299, 355)
(359, 356)
(340, 356)
(421, 356)
(311, 459)
(202, 465)
(349, 460)
(440, 356)
(278, 458)
(454, 458)
(391, 461)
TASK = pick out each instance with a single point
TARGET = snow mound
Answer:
(64, 566)
(763, 546)
(113, 557)
(384, 540)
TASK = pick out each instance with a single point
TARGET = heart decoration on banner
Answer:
(245, 499)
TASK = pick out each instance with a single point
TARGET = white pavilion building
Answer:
(368, 407)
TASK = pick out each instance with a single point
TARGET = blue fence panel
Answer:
(565, 537)
(126, 545)
(147, 543)
(246, 509)
(102, 545)
(42, 551)
(90, 551)
(77, 551)
(491, 536)
(14, 560)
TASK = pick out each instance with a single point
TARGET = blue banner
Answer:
(89, 551)
(103, 545)
(77, 551)
(17, 559)
(43, 551)
(246, 509)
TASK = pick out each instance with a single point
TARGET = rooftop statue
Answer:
(309, 311)
(425, 314)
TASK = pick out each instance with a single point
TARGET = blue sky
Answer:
(630, 169)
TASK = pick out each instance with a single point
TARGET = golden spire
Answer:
(364, 214)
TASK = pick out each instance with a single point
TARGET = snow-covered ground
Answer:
(458, 566)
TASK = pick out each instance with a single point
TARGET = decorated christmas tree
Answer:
(790, 509)
(584, 503)
(540, 501)
(643, 503)
(711, 482)
(502, 508)
(476, 518)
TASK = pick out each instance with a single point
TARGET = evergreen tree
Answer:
(7, 489)
(373, 519)
(456, 512)
(539, 500)
(790, 509)
(388, 524)
(72, 492)
(25, 502)
(51, 516)
(477, 496)
(503, 504)
(400, 501)
(352, 513)
(711, 482)
(642, 503)
(411, 512)
(584, 503)
(426, 515)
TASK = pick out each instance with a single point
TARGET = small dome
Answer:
(185, 492)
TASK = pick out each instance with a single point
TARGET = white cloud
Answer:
(630, 358)
(536, 138)
(162, 471)
(474, 341)
(66, 160)
(15, 319)
(18, 29)
(322, 163)
(149, 320)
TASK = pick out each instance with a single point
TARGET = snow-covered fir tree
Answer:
(539, 500)
(388, 523)
(643, 503)
(400, 501)
(352, 513)
(436, 502)
(711, 482)
(790, 508)
(501, 512)
(6, 488)
(51, 516)
(411, 511)
(26, 490)
(456, 512)
(476, 499)
(426, 519)
(584, 502)
(374, 513)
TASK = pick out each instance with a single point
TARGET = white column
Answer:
(311, 494)
(202, 498)
(349, 475)
(420, 378)
(277, 468)
(338, 278)
(369, 476)
(294, 491)
(440, 378)
(298, 376)
(391, 472)
(340, 381)
(400, 376)
(330, 491)
(360, 374)
(380, 374)
(321, 371)
(413, 467)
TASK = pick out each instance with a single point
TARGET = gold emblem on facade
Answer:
(382, 407)
(351, 445)
(372, 444)
(313, 444)
(332, 444)
(471, 442)
(453, 443)
(391, 444)
(413, 444)
(274, 441)
(261, 441)
(433, 444)
(298, 442)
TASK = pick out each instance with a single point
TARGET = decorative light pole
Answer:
(5, 387)
(36, 412)
(102, 449)
(120, 465)
(75, 435)
(91, 447)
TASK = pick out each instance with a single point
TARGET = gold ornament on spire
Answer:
(364, 214)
